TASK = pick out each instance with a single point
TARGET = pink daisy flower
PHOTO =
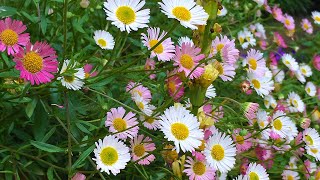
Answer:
(316, 62)
(255, 61)
(198, 170)
(175, 87)
(165, 50)
(140, 150)
(307, 26)
(87, 70)
(187, 58)
(150, 65)
(36, 63)
(137, 89)
(120, 124)
(243, 143)
(277, 13)
(288, 22)
(250, 110)
(151, 123)
(279, 40)
(79, 176)
(226, 71)
(226, 48)
(11, 37)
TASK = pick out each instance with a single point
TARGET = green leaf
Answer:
(30, 107)
(43, 24)
(83, 156)
(50, 173)
(83, 128)
(46, 147)
(7, 11)
(49, 134)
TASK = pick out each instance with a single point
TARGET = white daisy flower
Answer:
(314, 151)
(269, 101)
(305, 70)
(300, 76)
(151, 123)
(186, 11)
(311, 137)
(290, 175)
(278, 74)
(281, 124)
(143, 105)
(249, 37)
(311, 89)
(242, 40)
(263, 85)
(111, 154)
(295, 103)
(222, 12)
(262, 120)
(240, 177)
(255, 61)
(127, 14)
(316, 17)
(211, 92)
(256, 171)
(104, 39)
(181, 127)
(220, 152)
(293, 130)
(290, 62)
(185, 39)
(261, 31)
(72, 81)
(259, 2)
(292, 163)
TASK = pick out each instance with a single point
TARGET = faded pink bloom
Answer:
(305, 123)
(288, 22)
(87, 70)
(141, 148)
(78, 176)
(11, 37)
(198, 155)
(307, 26)
(250, 110)
(137, 89)
(243, 143)
(279, 40)
(277, 13)
(316, 62)
(175, 87)
(150, 65)
(189, 170)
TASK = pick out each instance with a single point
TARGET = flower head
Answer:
(103, 39)
(290, 62)
(277, 38)
(141, 148)
(262, 84)
(307, 26)
(111, 154)
(175, 87)
(288, 22)
(12, 37)
(256, 171)
(311, 89)
(87, 70)
(36, 63)
(127, 14)
(316, 17)
(198, 169)
(73, 80)
(186, 11)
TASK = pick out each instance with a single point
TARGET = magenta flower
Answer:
(279, 40)
(11, 37)
(87, 70)
(36, 63)
(187, 59)
(316, 62)
(277, 13)
(175, 87)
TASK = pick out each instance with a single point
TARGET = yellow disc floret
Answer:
(32, 62)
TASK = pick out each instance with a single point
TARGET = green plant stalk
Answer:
(211, 8)
(69, 134)
(65, 10)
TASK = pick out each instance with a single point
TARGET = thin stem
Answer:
(65, 10)
(69, 133)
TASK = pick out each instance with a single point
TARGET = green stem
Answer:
(212, 9)
(69, 134)
(65, 10)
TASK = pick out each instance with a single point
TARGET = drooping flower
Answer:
(181, 127)
(220, 152)
(127, 14)
(316, 17)
(226, 71)
(12, 37)
(277, 13)
(141, 148)
(121, 124)
(104, 39)
(187, 59)
(111, 154)
(87, 70)
(165, 50)
(74, 80)
(151, 123)
(143, 105)
(186, 11)
(198, 169)
(307, 26)
(36, 63)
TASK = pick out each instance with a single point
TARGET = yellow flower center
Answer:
(253, 63)
(69, 79)
(86, 75)
(309, 140)
(308, 90)
(253, 176)
(119, 124)
(304, 71)
(180, 131)
(295, 103)
(140, 105)
(186, 61)
(137, 91)
(318, 175)
(150, 120)
(277, 124)
(317, 18)
(158, 49)
(109, 156)
(32, 62)
(181, 13)
(241, 40)
(289, 177)
(220, 46)
(217, 152)
(261, 124)
(314, 150)
(248, 38)
(266, 102)
(287, 62)
(306, 26)
(287, 22)
(240, 139)
(199, 168)
(102, 42)
(126, 15)
(139, 150)
(9, 37)
(256, 83)
(219, 12)
(172, 86)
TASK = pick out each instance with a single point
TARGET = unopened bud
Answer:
(84, 3)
